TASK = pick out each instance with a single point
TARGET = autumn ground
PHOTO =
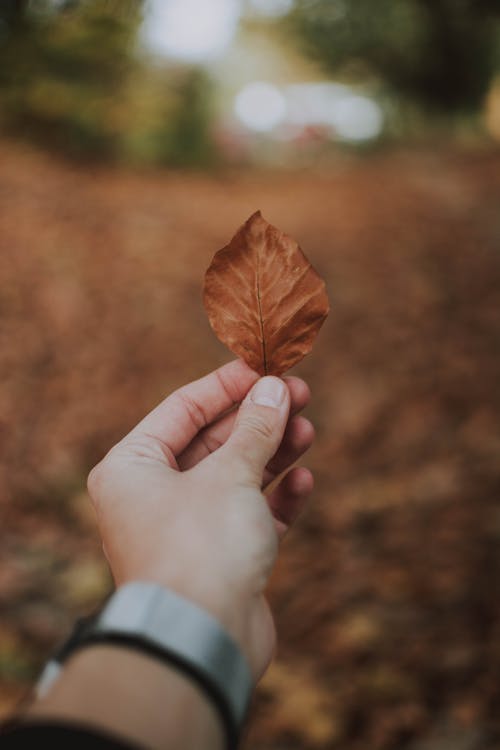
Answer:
(386, 594)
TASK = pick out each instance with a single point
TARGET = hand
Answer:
(179, 500)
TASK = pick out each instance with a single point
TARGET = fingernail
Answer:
(268, 391)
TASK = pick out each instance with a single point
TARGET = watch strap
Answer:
(157, 621)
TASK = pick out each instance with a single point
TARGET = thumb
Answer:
(259, 428)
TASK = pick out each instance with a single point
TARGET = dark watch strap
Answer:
(157, 621)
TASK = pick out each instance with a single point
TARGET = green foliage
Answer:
(186, 138)
(61, 72)
(440, 53)
(70, 80)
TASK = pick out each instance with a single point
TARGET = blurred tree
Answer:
(441, 53)
(187, 139)
(61, 68)
(172, 118)
(69, 79)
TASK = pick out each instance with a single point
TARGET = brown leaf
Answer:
(263, 298)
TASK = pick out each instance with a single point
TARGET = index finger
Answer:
(179, 418)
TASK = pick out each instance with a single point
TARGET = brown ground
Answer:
(386, 594)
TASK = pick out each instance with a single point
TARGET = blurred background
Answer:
(135, 137)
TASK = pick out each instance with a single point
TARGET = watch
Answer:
(155, 620)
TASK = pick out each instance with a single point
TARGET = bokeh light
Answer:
(314, 103)
(357, 118)
(189, 30)
(271, 8)
(260, 106)
(345, 114)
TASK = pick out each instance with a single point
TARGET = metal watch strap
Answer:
(154, 619)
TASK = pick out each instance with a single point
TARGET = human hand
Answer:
(179, 500)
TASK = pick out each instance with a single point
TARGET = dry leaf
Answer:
(298, 704)
(263, 298)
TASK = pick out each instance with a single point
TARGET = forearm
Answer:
(135, 697)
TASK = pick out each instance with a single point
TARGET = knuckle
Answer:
(257, 426)
(195, 410)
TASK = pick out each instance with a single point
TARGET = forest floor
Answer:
(386, 593)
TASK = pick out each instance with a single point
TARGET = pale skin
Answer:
(180, 502)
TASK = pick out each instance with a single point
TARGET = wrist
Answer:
(149, 619)
(133, 696)
(232, 610)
